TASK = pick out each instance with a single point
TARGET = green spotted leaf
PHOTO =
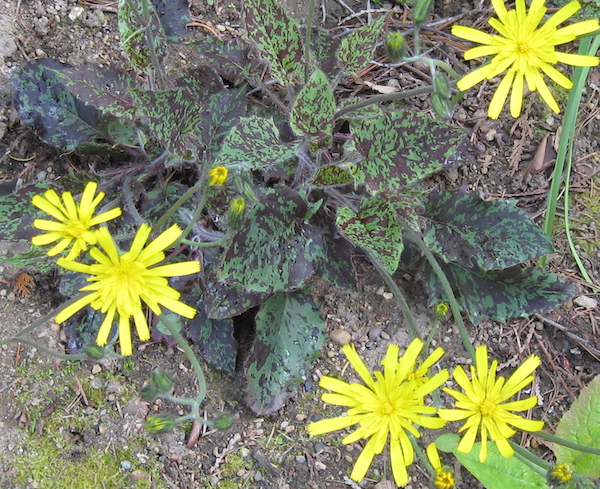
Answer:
(501, 294)
(312, 113)
(230, 59)
(275, 250)
(214, 338)
(289, 336)
(332, 175)
(171, 115)
(141, 33)
(490, 235)
(400, 148)
(276, 36)
(202, 82)
(496, 472)
(17, 213)
(254, 144)
(375, 228)
(581, 424)
(173, 16)
(358, 48)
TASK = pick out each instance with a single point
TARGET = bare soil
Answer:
(90, 409)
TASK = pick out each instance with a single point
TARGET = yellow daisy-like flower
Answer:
(73, 222)
(217, 176)
(484, 404)
(525, 52)
(122, 282)
(391, 404)
(444, 479)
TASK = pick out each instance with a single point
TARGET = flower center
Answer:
(387, 407)
(76, 229)
(487, 408)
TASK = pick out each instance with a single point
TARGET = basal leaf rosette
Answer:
(121, 283)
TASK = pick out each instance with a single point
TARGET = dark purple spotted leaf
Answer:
(500, 294)
(374, 228)
(17, 213)
(275, 249)
(54, 113)
(312, 113)
(358, 48)
(323, 47)
(230, 59)
(171, 116)
(202, 82)
(142, 34)
(221, 112)
(400, 148)
(254, 144)
(491, 235)
(174, 16)
(214, 338)
(276, 37)
(289, 336)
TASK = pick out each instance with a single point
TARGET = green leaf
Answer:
(202, 82)
(400, 148)
(275, 250)
(581, 424)
(374, 228)
(490, 235)
(501, 294)
(171, 115)
(141, 33)
(230, 59)
(17, 213)
(312, 113)
(254, 144)
(174, 17)
(276, 36)
(34, 259)
(357, 49)
(332, 175)
(215, 339)
(289, 336)
(497, 472)
(51, 110)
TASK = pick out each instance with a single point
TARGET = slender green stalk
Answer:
(191, 356)
(537, 463)
(589, 45)
(182, 200)
(566, 443)
(424, 460)
(450, 297)
(55, 354)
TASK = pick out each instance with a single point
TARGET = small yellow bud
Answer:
(159, 423)
(217, 176)
(441, 310)
(395, 46)
(237, 208)
(561, 473)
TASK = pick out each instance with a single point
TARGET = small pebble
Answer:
(300, 417)
(126, 465)
(96, 369)
(258, 476)
(139, 475)
(96, 383)
(340, 336)
(289, 429)
(301, 459)
(308, 386)
(387, 296)
(319, 447)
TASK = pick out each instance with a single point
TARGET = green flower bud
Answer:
(395, 47)
(224, 422)
(159, 423)
(237, 209)
(162, 381)
(421, 11)
(440, 106)
(440, 85)
(441, 310)
(148, 392)
(94, 352)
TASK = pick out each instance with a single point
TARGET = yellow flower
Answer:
(217, 176)
(391, 404)
(443, 478)
(72, 223)
(561, 473)
(122, 282)
(483, 404)
(525, 52)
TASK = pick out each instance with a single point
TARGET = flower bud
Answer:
(441, 310)
(162, 381)
(395, 46)
(421, 11)
(159, 423)
(440, 85)
(94, 352)
(560, 474)
(148, 392)
(440, 106)
(217, 176)
(237, 208)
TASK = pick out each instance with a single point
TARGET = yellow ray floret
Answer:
(523, 51)
(121, 283)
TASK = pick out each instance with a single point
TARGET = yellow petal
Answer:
(74, 308)
(50, 209)
(162, 242)
(328, 425)
(176, 269)
(471, 34)
(516, 97)
(398, 464)
(563, 14)
(453, 414)
(577, 59)
(434, 457)
(357, 363)
(473, 78)
(106, 216)
(494, 110)
(125, 336)
(44, 239)
(363, 462)
(577, 29)
(105, 327)
(468, 440)
(557, 76)
(141, 325)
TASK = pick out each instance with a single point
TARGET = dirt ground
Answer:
(71, 424)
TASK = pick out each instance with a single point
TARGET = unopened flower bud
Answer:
(441, 310)
(440, 106)
(395, 46)
(159, 423)
(421, 11)
(440, 85)
(148, 392)
(162, 381)
(95, 352)
(237, 208)
(561, 474)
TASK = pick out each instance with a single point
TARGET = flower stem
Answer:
(189, 353)
(55, 354)
(535, 462)
(182, 200)
(565, 443)
(448, 292)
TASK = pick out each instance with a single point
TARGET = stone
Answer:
(340, 336)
